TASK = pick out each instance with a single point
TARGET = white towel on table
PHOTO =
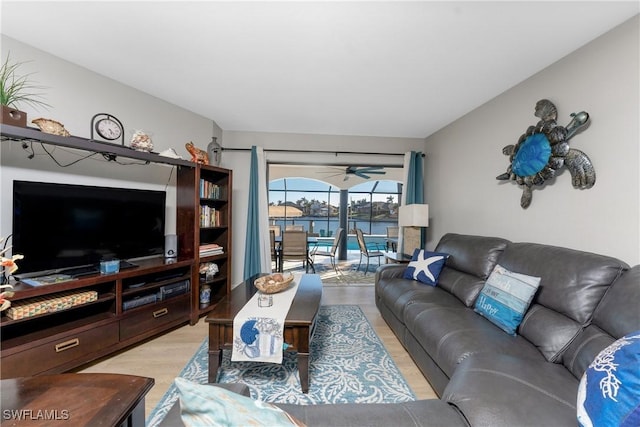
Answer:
(258, 331)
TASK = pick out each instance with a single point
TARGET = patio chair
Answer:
(275, 249)
(331, 253)
(294, 248)
(371, 251)
(294, 228)
(276, 229)
(392, 238)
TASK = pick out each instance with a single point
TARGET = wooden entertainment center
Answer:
(135, 303)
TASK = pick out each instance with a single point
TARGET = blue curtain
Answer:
(414, 186)
(252, 256)
(413, 191)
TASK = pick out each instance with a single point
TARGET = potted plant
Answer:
(16, 89)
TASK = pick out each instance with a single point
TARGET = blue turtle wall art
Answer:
(544, 149)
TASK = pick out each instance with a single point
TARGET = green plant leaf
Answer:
(16, 89)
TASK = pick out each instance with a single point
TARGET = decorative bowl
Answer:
(273, 283)
(51, 126)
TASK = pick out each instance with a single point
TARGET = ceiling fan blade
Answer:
(341, 170)
(335, 174)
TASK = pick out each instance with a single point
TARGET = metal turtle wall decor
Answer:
(544, 149)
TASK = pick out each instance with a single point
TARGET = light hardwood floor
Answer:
(164, 357)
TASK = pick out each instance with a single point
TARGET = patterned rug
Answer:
(348, 363)
(346, 273)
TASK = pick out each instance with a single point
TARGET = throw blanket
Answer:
(258, 328)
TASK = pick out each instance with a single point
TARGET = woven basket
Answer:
(267, 284)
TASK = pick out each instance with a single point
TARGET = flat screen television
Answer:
(59, 226)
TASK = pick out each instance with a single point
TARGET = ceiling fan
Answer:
(362, 171)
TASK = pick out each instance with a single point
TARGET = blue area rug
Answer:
(348, 363)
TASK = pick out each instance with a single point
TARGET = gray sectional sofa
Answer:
(584, 303)
(484, 376)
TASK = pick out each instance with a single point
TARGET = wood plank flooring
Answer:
(164, 357)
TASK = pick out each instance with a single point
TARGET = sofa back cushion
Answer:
(471, 260)
(617, 315)
(571, 286)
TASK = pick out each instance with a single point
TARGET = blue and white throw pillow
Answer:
(425, 266)
(207, 405)
(609, 391)
(505, 298)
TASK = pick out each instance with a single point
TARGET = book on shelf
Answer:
(209, 190)
(209, 253)
(210, 249)
(209, 217)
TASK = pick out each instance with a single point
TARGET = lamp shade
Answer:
(415, 215)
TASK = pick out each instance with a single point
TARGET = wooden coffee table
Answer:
(298, 326)
(75, 400)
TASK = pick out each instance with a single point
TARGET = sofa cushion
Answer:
(505, 298)
(204, 405)
(572, 284)
(471, 260)
(609, 390)
(502, 390)
(616, 315)
(464, 286)
(425, 266)
(475, 255)
(618, 312)
(450, 335)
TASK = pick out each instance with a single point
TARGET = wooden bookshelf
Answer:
(204, 218)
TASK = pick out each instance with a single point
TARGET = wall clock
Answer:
(107, 127)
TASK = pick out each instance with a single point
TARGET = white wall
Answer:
(464, 158)
(239, 162)
(76, 94)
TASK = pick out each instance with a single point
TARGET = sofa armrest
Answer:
(419, 413)
(390, 271)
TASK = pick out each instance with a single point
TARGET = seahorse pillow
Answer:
(505, 298)
(425, 266)
(206, 405)
(609, 391)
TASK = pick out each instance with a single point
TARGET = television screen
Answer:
(57, 226)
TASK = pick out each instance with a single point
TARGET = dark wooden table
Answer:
(298, 326)
(396, 258)
(75, 400)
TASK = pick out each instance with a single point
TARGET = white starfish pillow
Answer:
(425, 266)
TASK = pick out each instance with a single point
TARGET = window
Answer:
(372, 206)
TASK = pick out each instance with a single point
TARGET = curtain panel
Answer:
(257, 258)
(413, 185)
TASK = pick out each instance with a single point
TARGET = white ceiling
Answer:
(403, 69)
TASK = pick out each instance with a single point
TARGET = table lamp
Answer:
(413, 218)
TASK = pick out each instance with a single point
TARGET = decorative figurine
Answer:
(214, 150)
(197, 155)
(544, 149)
(140, 141)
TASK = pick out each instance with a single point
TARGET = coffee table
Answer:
(75, 400)
(299, 324)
